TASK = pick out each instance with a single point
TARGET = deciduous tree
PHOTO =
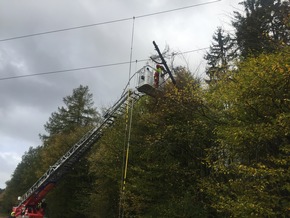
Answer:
(250, 165)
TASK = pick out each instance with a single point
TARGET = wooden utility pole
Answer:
(164, 63)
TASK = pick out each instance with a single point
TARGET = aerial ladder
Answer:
(31, 203)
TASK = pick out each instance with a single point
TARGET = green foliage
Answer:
(194, 153)
(65, 127)
(23, 177)
(70, 197)
(221, 152)
(168, 138)
(105, 163)
(250, 165)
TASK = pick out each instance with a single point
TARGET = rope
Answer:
(124, 160)
(128, 144)
(127, 139)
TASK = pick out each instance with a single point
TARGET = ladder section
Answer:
(37, 192)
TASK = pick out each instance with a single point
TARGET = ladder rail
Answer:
(57, 170)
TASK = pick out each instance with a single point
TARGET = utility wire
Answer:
(177, 9)
(66, 29)
(107, 22)
(190, 51)
(67, 70)
(90, 67)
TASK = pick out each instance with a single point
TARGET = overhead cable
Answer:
(63, 71)
(107, 22)
(177, 9)
(92, 67)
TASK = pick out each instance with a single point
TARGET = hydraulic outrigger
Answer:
(30, 201)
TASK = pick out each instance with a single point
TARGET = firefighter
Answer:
(157, 74)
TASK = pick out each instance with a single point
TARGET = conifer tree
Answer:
(65, 128)
(78, 112)
(263, 27)
(219, 56)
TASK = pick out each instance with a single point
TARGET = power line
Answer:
(90, 67)
(107, 22)
(177, 9)
(66, 29)
(190, 51)
(64, 71)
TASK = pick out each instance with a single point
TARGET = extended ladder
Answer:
(37, 192)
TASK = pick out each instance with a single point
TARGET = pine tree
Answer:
(263, 27)
(65, 128)
(78, 112)
(219, 56)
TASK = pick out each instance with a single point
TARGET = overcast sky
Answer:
(27, 103)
